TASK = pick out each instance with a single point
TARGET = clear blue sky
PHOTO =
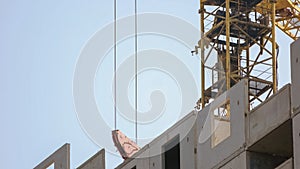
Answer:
(40, 42)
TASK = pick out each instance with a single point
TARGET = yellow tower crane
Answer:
(238, 42)
(288, 17)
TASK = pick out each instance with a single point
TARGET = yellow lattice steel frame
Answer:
(265, 7)
(287, 16)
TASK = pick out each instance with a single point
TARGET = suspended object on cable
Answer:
(125, 146)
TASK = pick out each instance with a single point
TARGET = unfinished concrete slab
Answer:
(295, 69)
(296, 140)
(60, 158)
(210, 155)
(97, 161)
(269, 115)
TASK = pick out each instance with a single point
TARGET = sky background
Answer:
(40, 42)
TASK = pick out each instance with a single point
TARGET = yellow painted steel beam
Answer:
(290, 34)
(227, 24)
(274, 58)
(288, 24)
(202, 53)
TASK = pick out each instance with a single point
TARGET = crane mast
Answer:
(238, 42)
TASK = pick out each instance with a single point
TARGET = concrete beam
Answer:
(60, 158)
(97, 161)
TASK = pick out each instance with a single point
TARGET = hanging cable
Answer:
(115, 64)
(136, 68)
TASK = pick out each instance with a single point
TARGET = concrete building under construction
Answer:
(242, 120)
(266, 137)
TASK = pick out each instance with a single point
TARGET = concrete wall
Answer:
(269, 115)
(151, 156)
(261, 138)
(196, 149)
(97, 161)
(239, 162)
(144, 161)
(295, 66)
(60, 158)
(296, 141)
(187, 146)
(208, 156)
